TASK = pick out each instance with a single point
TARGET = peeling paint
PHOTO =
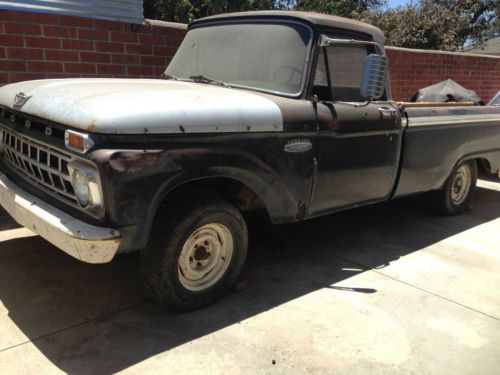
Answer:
(301, 210)
(91, 127)
(133, 160)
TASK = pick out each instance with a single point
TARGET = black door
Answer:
(357, 147)
(357, 157)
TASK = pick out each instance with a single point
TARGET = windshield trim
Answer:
(307, 58)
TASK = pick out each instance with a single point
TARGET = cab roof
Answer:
(319, 19)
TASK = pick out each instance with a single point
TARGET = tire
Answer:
(195, 253)
(458, 191)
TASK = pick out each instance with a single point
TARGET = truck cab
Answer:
(318, 61)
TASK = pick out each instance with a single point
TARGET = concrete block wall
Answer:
(411, 70)
(35, 46)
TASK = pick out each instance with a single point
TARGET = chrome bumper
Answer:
(85, 242)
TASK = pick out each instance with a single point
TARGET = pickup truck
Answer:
(286, 112)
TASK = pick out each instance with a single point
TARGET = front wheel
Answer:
(195, 253)
(458, 191)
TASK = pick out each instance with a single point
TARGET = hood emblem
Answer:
(20, 99)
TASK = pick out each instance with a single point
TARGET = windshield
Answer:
(268, 57)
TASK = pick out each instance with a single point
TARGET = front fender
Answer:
(135, 182)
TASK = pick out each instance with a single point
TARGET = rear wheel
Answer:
(458, 191)
(195, 253)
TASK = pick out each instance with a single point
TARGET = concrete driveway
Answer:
(390, 288)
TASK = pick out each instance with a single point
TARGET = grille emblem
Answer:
(20, 99)
(48, 131)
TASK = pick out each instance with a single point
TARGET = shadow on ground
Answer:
(89, 319)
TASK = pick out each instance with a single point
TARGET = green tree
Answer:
(425, 24)
(438, 24)
(189, 10)
(343, 8)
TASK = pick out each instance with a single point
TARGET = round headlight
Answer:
(81, 188)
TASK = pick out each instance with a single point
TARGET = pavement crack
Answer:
(413, 286)
(102, 317)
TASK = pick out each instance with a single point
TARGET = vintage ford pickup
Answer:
(287, 112)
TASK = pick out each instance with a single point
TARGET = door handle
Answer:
(387, 109)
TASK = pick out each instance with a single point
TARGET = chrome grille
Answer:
(38, 163)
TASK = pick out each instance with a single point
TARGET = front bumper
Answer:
(85, 242)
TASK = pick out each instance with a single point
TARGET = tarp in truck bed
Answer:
(495, 100)
(446, 91)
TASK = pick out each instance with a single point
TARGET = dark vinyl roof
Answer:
(313, 18)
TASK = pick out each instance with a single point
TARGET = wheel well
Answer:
(235, 192)
(483, 165)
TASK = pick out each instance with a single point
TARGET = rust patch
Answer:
(248, 201)
(92, 126)
(122, 161)
(201, 253)
(301, 211)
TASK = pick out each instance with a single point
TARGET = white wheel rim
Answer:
(205, 257)
(461, 185)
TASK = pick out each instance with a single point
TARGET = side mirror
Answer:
(373, 81)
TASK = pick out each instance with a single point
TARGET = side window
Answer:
(343, 66)
(321, 86)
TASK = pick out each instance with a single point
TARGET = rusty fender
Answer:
(135, 182)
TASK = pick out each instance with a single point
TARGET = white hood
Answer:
(133, 106)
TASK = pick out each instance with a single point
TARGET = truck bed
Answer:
(437, 138)
(434, 104)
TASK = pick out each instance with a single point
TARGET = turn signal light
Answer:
(77, 141)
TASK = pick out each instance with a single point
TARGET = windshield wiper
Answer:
(204, 79)
(168, 76)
